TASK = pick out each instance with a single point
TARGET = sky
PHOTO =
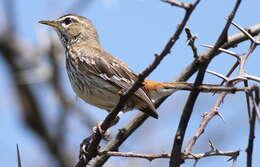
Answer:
(134, 31)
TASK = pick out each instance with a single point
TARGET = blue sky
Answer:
(134, 31)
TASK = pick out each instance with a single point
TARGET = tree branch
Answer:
(251, 136)
(206, 118)
(176, 159)
(151, 157)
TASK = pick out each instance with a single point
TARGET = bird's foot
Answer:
(105, 134)
(98, 129)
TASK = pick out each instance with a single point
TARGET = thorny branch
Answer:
(231, 42)
(191, 42)
(252, 120)
(176, 159)
(151, 157)
(206, 118)
(241, 61)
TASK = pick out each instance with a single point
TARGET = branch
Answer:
(151, 157)
(206, 118)
(251, 136)
(18, 156)
(191, 42)
(232, 42)
(205, 88)
(176, 159)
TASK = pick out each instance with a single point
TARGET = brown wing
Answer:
(114, 71)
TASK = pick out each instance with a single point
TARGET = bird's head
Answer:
(73, 29)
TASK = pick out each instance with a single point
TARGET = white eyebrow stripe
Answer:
(69, 16)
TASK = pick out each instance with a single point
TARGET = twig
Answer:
(232, 42)
(151, 157)
(205, 88)
(18, 156)
(206, 119)
(231, 71)
(191, 42)
(241, 59)
(121, 136)
(252, 119)
(176, 158)
(247, 100)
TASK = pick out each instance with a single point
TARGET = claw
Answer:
(98, 129)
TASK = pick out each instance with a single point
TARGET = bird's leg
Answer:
(98, 128)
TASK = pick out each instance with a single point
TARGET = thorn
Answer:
(157, 54)
(221, 116)
(218, 75)
(231, 158)
(196, 162)
(18, 156)
(212, 146)
(204, 115)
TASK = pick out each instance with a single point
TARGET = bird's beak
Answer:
(50, 23)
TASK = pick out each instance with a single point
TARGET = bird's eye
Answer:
(67, 21)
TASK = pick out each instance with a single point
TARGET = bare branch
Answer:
(232, 42)
(151, 157)
(231, 71)
(247, 93)
(176, 159)
(191, 42)
(18, 156)
(251, 77)
(252, 119)
(206, 118)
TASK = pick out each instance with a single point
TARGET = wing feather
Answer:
(112, 70)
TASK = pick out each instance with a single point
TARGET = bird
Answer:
(98, 77)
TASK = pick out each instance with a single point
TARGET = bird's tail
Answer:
(158, 90)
